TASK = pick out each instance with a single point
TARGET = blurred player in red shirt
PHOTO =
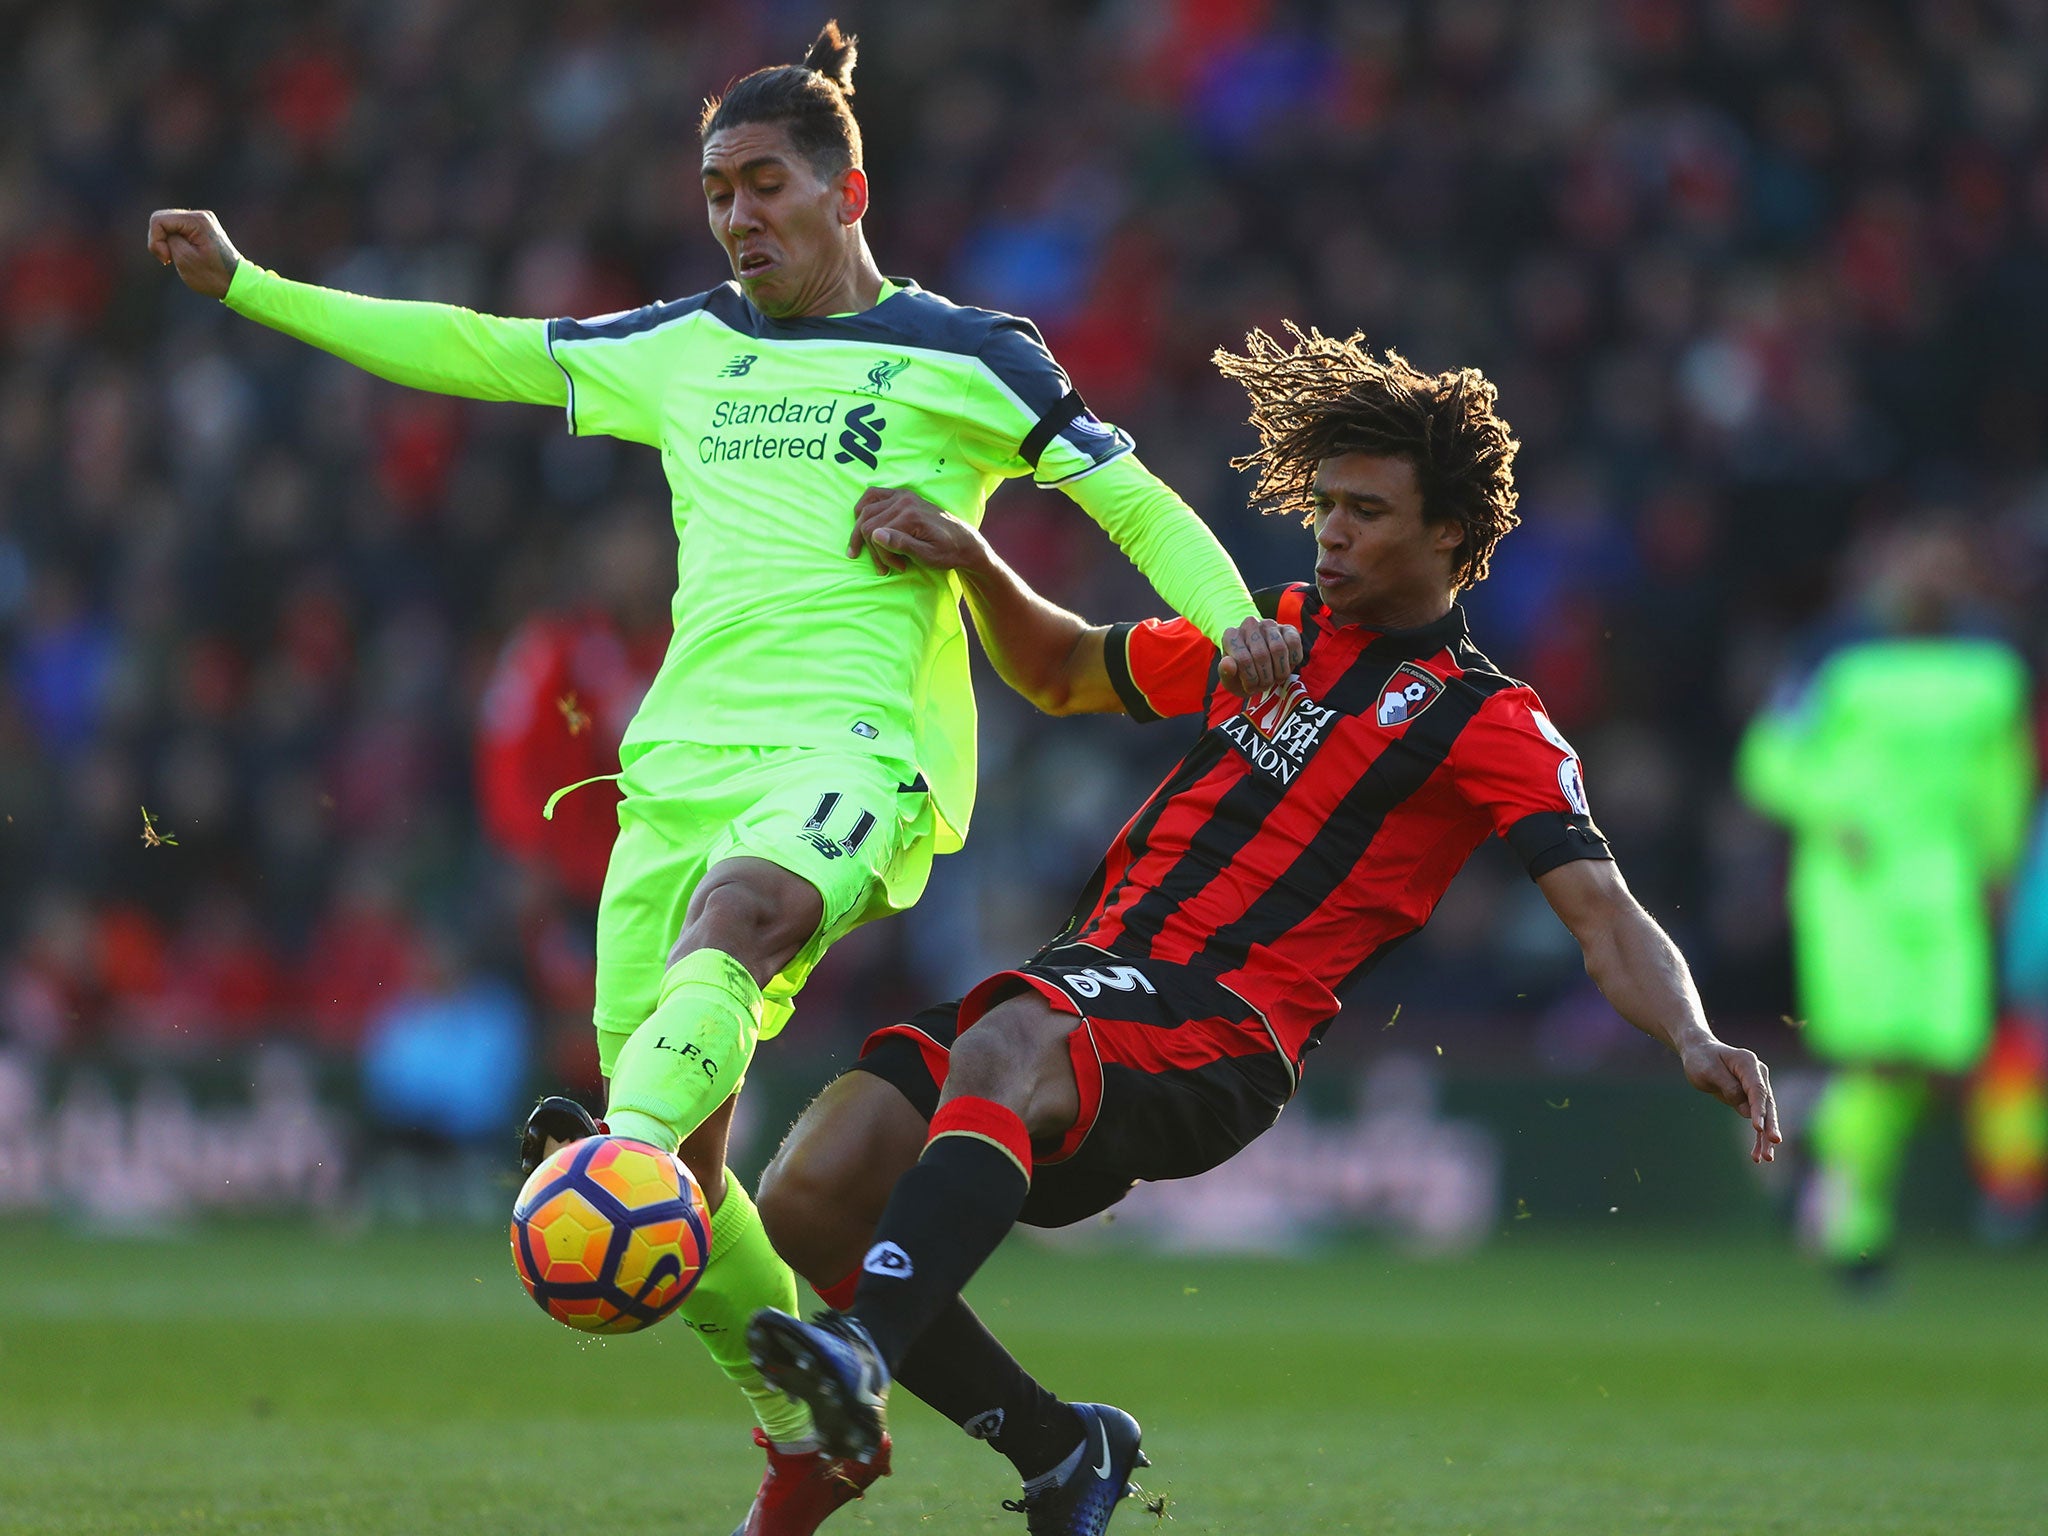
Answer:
(553, 713)
(566, 683)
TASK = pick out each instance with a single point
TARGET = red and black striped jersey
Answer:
(1306, 832)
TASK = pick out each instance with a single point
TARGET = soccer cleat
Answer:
(553, 1122)
(802, 1488)
(832, 1366)
(1078, 1497)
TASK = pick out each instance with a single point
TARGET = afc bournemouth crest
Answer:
(1408, 693)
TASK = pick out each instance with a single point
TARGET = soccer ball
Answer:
(610, 1235)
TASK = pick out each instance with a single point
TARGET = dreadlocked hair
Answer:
(810, 98)
(1323, 397)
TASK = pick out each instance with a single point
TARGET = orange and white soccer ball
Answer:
(610, 1235)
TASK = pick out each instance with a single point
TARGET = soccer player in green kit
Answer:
(808, 745)
(1904, 769)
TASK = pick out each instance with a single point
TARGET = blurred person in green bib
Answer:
(1902, 765)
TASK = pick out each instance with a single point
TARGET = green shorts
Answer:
(858, 828)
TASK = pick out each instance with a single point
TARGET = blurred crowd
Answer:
(288, 658)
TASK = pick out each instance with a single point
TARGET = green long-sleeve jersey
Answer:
(1904, 770)
(770, 431)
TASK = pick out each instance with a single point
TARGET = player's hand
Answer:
(898, 528)
(192, 240)
(1739, 1079)
(1258, 656)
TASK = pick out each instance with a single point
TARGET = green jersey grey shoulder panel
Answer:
(1009, 346)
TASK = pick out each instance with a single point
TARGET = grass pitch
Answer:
(249, 1380)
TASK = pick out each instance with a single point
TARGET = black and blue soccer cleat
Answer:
(1077, 1497)
(832, 1366)
(553, 1122)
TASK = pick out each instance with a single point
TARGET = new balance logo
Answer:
(889, 1261)
(1089, 982)
(862, 437)
(738, 366)
(985, 1425)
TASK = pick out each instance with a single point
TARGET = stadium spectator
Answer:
(552, 714)
(444, 1065)
(558, 701)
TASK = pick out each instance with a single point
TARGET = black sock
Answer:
(963, 1370)
(944, 1219)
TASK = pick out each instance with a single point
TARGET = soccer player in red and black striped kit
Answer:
(1301, 836)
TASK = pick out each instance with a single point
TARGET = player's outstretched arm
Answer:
(1640, 971)
(1055, 658)
(1051, 656)
(1184, 562)
(440, 347)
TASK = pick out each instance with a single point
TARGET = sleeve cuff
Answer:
(1551, 838)
(246, 283)
(1116, 660)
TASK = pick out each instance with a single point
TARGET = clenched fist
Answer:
(1259, 655)
(192, 240)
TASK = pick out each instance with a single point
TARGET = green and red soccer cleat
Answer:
(802, 1488)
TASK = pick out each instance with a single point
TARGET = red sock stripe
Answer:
(839, 1294)
(988, 1120)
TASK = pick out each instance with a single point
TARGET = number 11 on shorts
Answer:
(814, 833)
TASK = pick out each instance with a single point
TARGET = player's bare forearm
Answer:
(1055, 658)
(1641, 973)
(1050, 656)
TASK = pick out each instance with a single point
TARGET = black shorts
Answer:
(1177, 1073)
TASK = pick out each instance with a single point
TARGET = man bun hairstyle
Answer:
(809, 98)
(833, 54)
(1321, 398)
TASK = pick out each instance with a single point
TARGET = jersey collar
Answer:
(730, 305)
(891, 286)
(1404, 644)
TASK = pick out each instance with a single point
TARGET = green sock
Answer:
(690, 1055)
(743, 1275)
(1861, 1127)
